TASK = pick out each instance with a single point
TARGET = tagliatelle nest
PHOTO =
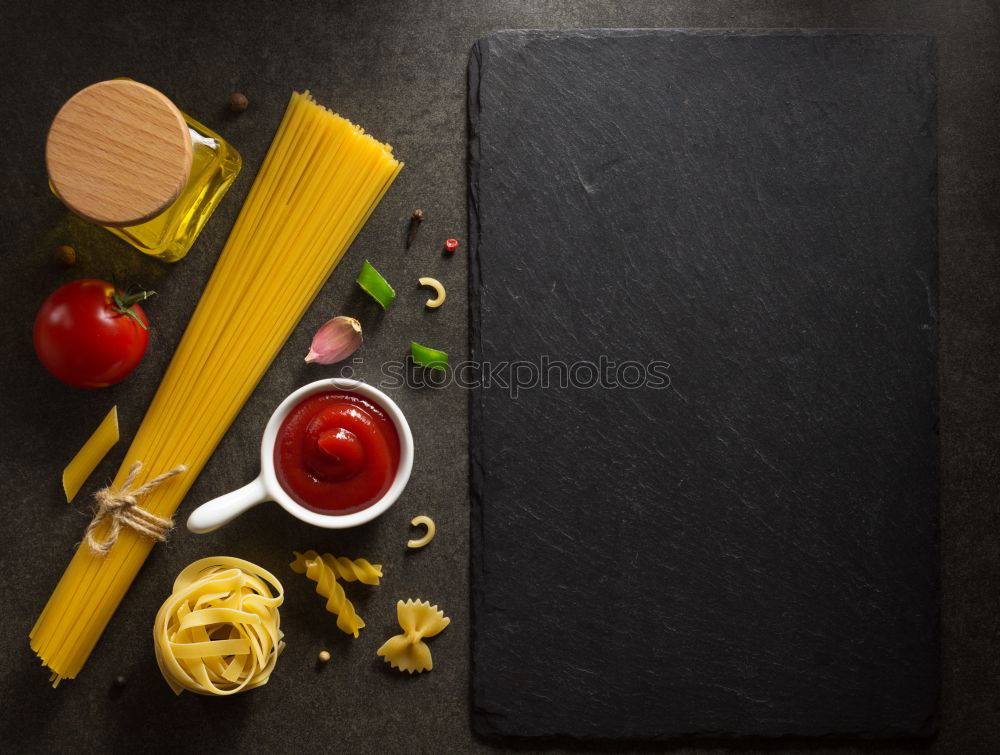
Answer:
(219, 632)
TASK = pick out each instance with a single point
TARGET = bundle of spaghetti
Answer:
(321, 179)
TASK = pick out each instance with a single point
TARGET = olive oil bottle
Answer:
(121, 155)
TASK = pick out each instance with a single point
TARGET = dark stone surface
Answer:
(399, 68)
(745, 543)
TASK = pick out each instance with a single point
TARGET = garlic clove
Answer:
(336, 340)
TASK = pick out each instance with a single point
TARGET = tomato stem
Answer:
(124, 302)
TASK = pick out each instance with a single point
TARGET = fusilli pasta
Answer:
(324, 570)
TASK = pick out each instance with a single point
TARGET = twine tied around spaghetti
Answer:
(122, 508)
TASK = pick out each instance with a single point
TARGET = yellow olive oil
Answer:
(169, 236)
(116, 154)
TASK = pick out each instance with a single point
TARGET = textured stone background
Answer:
(753, 550)
(399, 69)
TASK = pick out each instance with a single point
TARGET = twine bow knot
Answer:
(122, 508)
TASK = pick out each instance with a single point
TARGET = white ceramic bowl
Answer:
(220, 511)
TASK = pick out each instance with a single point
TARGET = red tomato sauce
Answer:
(336, 452)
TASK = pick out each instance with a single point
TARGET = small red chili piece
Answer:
(451, 245)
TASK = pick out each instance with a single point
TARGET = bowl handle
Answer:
(222, 510)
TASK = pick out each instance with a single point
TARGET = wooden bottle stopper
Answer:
(118, 153)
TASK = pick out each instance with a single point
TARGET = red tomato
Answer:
(89, 335)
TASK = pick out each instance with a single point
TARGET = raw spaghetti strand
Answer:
(320, 181)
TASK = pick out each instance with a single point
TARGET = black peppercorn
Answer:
(66, 255)
(238, 102)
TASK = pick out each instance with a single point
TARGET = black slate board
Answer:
(752, 550)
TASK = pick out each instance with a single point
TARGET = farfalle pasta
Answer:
(324, 570)
(408, 651)
(219, 633)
